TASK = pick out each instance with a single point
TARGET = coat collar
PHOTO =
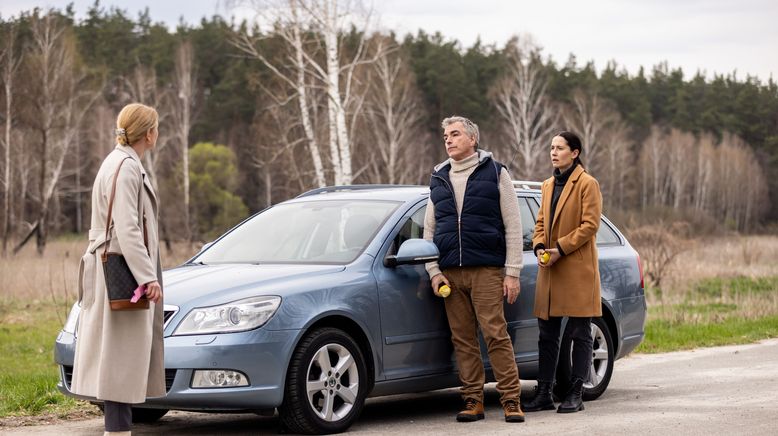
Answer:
(146, 182)
(562, 197)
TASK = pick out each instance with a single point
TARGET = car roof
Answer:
(378, 192)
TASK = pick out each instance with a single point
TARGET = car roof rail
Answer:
(342, 188)
(526, 184)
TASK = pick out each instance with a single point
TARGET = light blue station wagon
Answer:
(316, 303)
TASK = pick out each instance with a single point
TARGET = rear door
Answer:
(522, 325)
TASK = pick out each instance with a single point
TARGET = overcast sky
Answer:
(720, 36)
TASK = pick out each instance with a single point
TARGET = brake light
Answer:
(640, 267)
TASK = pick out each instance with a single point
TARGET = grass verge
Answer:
(28, 382)
(663, 335)
(714, 311)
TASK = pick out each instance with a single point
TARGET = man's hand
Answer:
(511, 288)
(154, 291)
(438, 280)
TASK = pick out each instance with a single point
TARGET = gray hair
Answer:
(471, 128)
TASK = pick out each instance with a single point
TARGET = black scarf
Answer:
(560, 179)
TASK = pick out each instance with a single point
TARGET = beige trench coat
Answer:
(119, 354)
(571, 286)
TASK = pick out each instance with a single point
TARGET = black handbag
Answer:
(119, 281)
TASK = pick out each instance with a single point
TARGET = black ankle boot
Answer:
(542, 400)
(574, 400)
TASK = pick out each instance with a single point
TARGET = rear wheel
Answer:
(601, 369)
(326, 384)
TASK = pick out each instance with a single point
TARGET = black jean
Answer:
(579, 330)
(118, 416)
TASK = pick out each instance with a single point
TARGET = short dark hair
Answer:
(574, 142)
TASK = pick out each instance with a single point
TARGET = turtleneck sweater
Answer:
(509, 208)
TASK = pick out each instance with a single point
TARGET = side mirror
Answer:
(413, 252)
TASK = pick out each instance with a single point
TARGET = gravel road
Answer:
(724, 390)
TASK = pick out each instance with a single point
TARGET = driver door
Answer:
(414, 329)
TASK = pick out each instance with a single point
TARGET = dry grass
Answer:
(52, 277)
(718, 279)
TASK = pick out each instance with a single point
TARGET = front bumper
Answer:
(262, 355)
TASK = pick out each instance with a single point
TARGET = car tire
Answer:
(603, 355)
(140, 414)
(143, 415)
(326, 384)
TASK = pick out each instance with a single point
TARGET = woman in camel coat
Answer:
(119, 354)
(568, 283)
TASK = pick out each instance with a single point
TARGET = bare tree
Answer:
(181, 104)
(62, 100)
(615, 167)
(682, 147)
(9, 63)
(529, 118)
(591, 115)
(325, 21)
(393, 121)
(655, 186)
(703, 173)
(658, 245)
(290, 29)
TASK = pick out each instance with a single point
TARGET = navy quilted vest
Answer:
(480, 238)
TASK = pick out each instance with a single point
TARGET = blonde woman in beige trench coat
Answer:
(568, 283)
(119, 354)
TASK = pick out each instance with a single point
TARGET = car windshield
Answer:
(334, 231)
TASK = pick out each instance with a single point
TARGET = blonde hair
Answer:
(134, 121)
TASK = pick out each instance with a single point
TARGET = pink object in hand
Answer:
(139, 291)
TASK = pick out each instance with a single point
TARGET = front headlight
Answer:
(236, 316)
(72, 321)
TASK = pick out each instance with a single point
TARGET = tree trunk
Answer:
(302, 99)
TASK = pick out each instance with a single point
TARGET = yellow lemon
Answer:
(444, 291)
(544, 258)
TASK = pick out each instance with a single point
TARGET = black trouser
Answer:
(579, 330)
(118, 416)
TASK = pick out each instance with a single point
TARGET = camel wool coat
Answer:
(571, 286)
(119, 354)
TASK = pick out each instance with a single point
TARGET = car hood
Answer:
(223, 283)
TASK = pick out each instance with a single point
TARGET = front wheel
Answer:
(326, 384)
(141, 414)
(601, 369)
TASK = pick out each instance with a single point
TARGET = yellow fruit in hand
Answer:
(444, 291)
(545, 257)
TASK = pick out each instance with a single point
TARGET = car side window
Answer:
(527, 223)
(412, 228)
(606, 235)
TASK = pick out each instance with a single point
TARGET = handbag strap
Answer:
(109, 217)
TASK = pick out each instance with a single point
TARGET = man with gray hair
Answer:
(473, 218)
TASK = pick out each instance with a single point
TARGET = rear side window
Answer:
(527, 223)
(606, 235)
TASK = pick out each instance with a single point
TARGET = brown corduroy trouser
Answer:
(477, 300)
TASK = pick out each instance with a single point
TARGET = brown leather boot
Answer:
(474, 410)
(513, 411)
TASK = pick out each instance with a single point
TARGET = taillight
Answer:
(640, 267)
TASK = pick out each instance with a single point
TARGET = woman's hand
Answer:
(154, 291)
(553, 252)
